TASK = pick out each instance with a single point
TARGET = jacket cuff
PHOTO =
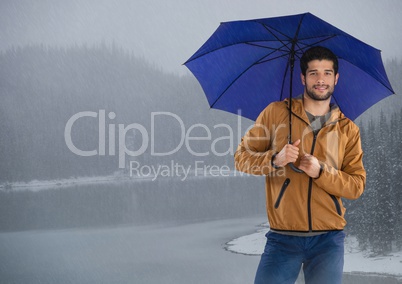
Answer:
(272, 161)
(321, 170)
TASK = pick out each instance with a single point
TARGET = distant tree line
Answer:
(41, 88)
(376, 217)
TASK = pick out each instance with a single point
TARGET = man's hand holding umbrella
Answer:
(290, 153)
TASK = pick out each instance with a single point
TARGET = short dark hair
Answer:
(317, 53)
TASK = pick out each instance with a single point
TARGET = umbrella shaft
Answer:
(292, 65)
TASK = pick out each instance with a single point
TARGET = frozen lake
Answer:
(192, 253)
(134, 232)
(166, 231)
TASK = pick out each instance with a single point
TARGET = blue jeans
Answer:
(283, 257)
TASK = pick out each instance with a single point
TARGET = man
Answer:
(305, 210)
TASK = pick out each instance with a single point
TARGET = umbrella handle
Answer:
(293, 167)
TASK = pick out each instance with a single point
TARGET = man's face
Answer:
(320, 80)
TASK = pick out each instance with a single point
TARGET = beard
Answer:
(322, 97)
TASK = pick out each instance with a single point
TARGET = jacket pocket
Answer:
(283, 189)
(337, 205)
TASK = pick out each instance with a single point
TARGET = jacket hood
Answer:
(298, 110)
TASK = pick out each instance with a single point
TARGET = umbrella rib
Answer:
(262, 46)
(279, 56)
(285, 45)
(314, 43)
(300, 48)
(270, 48)
(225, 46)
(268, 28)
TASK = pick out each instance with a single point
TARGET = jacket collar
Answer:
(298, 110)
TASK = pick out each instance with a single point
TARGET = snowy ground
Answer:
(37, 185)
(355, 259)
(117, 177)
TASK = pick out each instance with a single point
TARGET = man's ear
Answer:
(336, 78)
(303, 79)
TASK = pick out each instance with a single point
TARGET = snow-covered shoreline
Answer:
(356, 260)
(36, 185)
(117, 177)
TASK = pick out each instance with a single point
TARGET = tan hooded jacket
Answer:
(296, 202)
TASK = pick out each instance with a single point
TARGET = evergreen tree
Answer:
(396, 146)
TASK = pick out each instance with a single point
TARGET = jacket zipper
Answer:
(310, 186)
(284, 186)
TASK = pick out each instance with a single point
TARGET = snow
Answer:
(356, 260)
(117, 177)
(37, 185)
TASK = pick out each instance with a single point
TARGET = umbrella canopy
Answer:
(245, 65)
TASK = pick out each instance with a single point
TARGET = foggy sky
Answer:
(167, 33)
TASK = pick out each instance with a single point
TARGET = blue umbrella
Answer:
(245, 65)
